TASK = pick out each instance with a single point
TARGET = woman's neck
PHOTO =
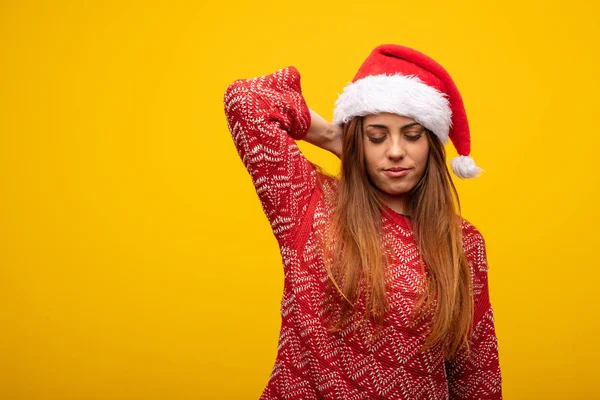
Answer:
(396, 203)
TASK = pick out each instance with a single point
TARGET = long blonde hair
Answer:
(358, 262)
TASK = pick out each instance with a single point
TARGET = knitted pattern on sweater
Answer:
(265, 116)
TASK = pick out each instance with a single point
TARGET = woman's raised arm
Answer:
(324, 134)
(265, 116)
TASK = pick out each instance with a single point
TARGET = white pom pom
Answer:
(464, 167)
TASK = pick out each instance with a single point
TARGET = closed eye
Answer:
(413, 138)
(377, 140)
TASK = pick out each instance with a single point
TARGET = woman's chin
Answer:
(395, 191)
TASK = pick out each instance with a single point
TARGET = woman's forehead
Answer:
(388, 120)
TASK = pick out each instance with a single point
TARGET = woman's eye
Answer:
(377, 140)
(413, 137)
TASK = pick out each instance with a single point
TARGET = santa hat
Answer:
(400, 80)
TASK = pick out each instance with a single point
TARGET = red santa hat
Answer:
(403, 81)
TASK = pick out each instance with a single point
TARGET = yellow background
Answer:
(136, 262)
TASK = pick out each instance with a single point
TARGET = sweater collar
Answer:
(398, 218)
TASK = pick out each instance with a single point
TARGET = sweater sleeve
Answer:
(265, 116)
(477, 375)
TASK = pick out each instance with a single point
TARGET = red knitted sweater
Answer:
(265, 116)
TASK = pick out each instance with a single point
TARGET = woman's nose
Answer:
(396, 150)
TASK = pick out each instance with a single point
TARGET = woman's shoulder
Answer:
(473, 241)
(329, 187)
(325, 180)
(469, 230)
(475, 249)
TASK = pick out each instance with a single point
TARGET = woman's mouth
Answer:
(396, 172)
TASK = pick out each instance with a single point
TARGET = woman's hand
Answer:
(324, 134)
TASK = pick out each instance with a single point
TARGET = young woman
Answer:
(386, 293)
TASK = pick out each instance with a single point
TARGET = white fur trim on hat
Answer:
(464, 167)
(398, 94)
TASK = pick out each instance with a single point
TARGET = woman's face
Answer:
(396, 152)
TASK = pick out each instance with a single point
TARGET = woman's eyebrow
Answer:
(409, 125)
(386, 127)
